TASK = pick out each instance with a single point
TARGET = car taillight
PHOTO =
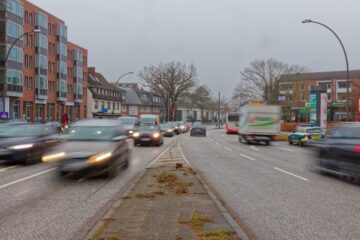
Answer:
(357, 149)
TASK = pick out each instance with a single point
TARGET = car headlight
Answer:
(176, 127)
(131, 132)
(100, 157)
(53, 157)
(22, 146)
(136, 134)
(156, 135)
(182, 127)
(169, 130)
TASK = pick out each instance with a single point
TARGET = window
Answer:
(16, 54)
(329, 97)
(26, 61)
(285, 87)
(302, 97)
(30, 61)
(62, 30)
(62, 49)
(14, 77)
(42, 20)
(30, 40)
(117, 106)
(15, 7)
(102, 105)
(41, 82)
(14, 30)
(26, 82)
(41, 61)
(26, 17)
(302, 87)
(324, 85)
(342, 84)
(30, 82)
(42, 41)
(108, 105)
(96, 104)
(31, 22)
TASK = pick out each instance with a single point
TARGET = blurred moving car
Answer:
(182, 126)
(340, 152)
(92, 147)
(129, 123)
(148, 134)
(198, 129)
(305, 133)
(189, 124)
(26, 143)
(167, 129)
(56, 125)
(176, 127)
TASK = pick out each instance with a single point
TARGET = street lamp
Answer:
(347, 64)
(6, 59)
(117, 82)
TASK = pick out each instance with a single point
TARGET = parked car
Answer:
(198, 129)
(26, 143)
(148, 134)
(340, 152)
(188, 124)
(167, 130)
(129, 124)
(92, 147)
(304, 134)
(182, 126)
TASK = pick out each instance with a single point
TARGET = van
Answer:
(150, 119)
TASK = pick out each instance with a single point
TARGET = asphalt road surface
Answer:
(36, 203)
(273, 190)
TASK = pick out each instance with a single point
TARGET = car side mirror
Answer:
(119, 138)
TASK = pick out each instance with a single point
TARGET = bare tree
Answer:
(261, 79)
(201, 98)
(170, 81)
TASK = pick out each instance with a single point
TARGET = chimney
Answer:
(91, 70)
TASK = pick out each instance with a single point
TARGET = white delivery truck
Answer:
(259, 122)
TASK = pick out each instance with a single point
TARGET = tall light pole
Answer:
(6, 59)
(115, 86)
(347, 64)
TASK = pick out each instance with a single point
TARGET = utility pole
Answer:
(219, 112)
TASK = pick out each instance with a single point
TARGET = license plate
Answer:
(146, 139)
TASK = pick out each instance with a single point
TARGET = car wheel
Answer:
(290, 142)
(113, 170)
(301, 143)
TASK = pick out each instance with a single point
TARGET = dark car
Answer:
(148, 134)
(92, 147)
(198, 129)
(167, 130)
(340, 152)
(129, 123)
(26, 143)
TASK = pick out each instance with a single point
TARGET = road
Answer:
(36, 203)
(273, 190)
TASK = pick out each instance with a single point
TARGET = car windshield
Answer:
(147, 120)
(345, 133)
(87, 133)
(148, 128)
(127, 121)
(165, 125)
(27, 130)
(197, 124)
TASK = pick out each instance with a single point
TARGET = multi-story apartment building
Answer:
(296, 91)
(45, 73)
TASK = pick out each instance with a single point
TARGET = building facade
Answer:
(45, 75)
(105, 99)
(295, 92)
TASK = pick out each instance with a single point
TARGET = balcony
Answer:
(14, 90)
(61, 96)
(41, 93)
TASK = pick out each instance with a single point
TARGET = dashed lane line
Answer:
(8, 168)
(291, 174)
(229, 149)
(217, 143)
(26, 178)
(254, 148)
(245, 156)
(286, 149)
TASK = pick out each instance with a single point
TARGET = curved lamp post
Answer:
(6, 59)
(347, 64)
(115, 85)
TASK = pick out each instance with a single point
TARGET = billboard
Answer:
(313, 108)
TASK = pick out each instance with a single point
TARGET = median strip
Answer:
(291, 174)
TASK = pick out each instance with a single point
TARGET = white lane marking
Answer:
(217, 143)
(80, 180)
(245, 156)
(292, 174)
(286, 149)
(19, 194)
(229, 149)
(254, 148)
(222, 135)
(4, 169)
(26, 178)
(211, 139)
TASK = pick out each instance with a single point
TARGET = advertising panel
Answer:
(313, 108)
(323, 110)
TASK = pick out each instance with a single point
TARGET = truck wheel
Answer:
(290, 142)
(301, 144)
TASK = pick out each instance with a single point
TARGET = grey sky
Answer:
(220, 37)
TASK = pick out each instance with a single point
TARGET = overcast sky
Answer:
(221, 37)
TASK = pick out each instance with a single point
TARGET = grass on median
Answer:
(173, 184)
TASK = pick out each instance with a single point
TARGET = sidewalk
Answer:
(168, 202)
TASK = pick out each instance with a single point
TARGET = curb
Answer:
(125, 192)
(239, 231)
